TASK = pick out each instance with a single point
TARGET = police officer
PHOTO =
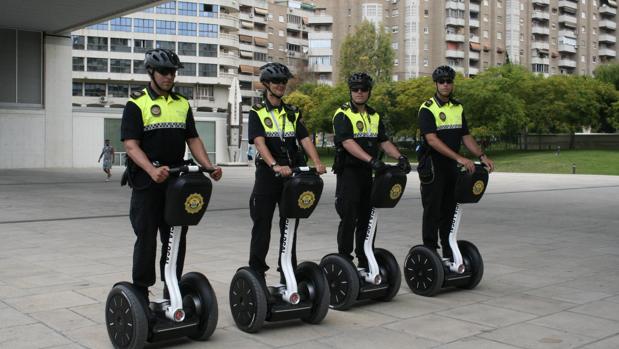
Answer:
(156, 125)
(443, 129)
(359, 135)
(275, 128)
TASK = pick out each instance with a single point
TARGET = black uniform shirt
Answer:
(344, 130)
(452, 137)
(165, 145)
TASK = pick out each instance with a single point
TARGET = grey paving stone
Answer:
(487, 315)
(30, 336)
(612, 342)
(10, 317)
(603, 309)
(62, 319)
(530, 304)
(43, 302)
(438, 328)
(476, 343)
(567, 294)
(377, 338)
(580, 324)
(536, 337)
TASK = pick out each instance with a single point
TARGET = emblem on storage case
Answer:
(395, 192)
(268, 122)
(194, 203)
(306, 199)
(478, 187)
(359, 125)
(155, 110)
(442, 116)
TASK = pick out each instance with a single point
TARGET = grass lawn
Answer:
(603, 162)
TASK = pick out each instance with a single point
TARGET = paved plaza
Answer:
(550, 245)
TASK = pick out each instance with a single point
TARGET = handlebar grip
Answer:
(190, 169)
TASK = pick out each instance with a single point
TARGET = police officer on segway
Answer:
(157, 123)
(276, 130)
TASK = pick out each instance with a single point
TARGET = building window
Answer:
(167, 45)
(97, 43)
(205, 92)
(78, 89)
(320, 43)
(539, 68)
(209, 30)
(499, 35)
(122, 24)
(96, 64)
(100, 26)
(138, 67)
(78, 42)
(208, 50)
(78, 63)
(94, 90)
(426, 30)
(21, 66)
(188, 69)
(187, 28)
(168, 7)
(259, 56)
(117, 90)
(141, 46)
(166, 27)
(119, 45)
(186, 91)
(320, 60)
(143, 25)
(394, 45)
(208, 70)
(187, 8)
(120, 66)
(207, 10)
(187, 48)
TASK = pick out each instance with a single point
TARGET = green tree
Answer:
(368, 50)
(609, 73)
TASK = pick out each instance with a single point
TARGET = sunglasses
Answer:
(279, 81)
(445, 81)
(359, 89)
(166, 71)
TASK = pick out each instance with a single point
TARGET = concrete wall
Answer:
(581, 141)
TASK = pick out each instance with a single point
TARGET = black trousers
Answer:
(352, 203)
(439, 204)
(261, 209)
(146, 215)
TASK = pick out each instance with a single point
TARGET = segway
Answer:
(305, 295)
(425, 272)
(191, 309)
(381, 280)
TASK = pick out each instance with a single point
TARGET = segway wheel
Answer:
(423, 271)
(390, 272)
(126, 318)
(199, 301)
(248, 301)
(313, 286)
(471, 254)
(343, 281)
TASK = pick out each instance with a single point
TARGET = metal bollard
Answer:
(573, 168)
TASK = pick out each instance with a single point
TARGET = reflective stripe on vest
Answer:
(361, 127)
(448, 116)
(271, 128)
(162, 112)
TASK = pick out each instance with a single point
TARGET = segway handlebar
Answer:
(190, 169)
(299, 170)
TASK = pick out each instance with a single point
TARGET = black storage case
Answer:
(300, 195)
(388, 188)
(187, 197)
(470, 187)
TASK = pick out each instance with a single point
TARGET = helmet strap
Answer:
(273, 93)
(151, 73)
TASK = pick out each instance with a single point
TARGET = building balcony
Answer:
(540, 45)
(567, 48)
(296, 41)
(322, 51)
(326, 19)
(473, 71)
(541, 2)
(457, 22)
(540, 30)
(474, 38)
(454, 37)
(459, 69)
(231, 40)
(254, 3)
(230, 60)
(568, 6)
(540, 15)
(568, 33)
(568, 20)
(474, 23)
(474, 8)
(228, 21)
(607, 10)
(607, 23)
(322, 35)
(566, 62)
(230, 4)
(321, 68)
(454, 54)
(454, 5)
(538, 60)
(607, 38)
(607, 52)
(473, 55)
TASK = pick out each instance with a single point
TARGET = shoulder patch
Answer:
(292, 108)
(137, 94)
(345, 106)
(455, 101)
(429, 102)
(180, 95)
(258, 106)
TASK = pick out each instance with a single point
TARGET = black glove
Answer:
(404, 164)
(377, 165)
